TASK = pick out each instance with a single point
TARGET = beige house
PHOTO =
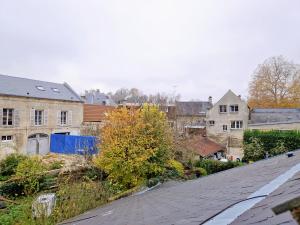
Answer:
(32, 110)
(226, 122)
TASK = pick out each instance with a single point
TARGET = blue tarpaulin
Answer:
(71, 144)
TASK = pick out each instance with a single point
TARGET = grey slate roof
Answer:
(193, 202)
(275, 115)
(262, 212)
(192, 108)
(17, 86)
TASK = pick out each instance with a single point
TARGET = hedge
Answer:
(214, 166)
(270, 140)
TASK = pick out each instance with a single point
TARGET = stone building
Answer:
(274, 119)
(191, 115)
(32, 110)
(226, 122)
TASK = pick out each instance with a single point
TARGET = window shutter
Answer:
(1, 117)
(58, 118)
(16, 120)
(70, 119)
(32, 117)
(45, 117)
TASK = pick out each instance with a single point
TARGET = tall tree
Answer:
(275, 83)
(136, 145)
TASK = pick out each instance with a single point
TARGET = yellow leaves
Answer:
(275, 84)
(134, 145)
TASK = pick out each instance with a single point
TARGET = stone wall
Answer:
(23, 127)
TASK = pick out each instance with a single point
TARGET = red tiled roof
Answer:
(204, 146)
(95, 113)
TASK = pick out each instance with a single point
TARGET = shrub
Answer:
(176, 166)
(254, 150)
(153, 181)
(272, 142)
(30, 173)
(199, 172)
(9, 164)
(279, 149)
(136, 145)
(214, 166)
(76, 198)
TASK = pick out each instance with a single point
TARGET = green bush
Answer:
(254, 150)
(9, 164)
(214, 166)
(176, 166)
(200, 172)
(30, 172)
(271, 143)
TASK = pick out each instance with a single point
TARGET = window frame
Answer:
(65, 117)
(225, 126)
(235, 107)
(238, 124)
(6, 138)
(6, 117)
(38, 119)
(224, 107)
(211, 122)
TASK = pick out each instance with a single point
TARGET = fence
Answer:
(71, 144)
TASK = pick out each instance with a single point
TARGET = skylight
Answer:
(55, 90)
(41, 88)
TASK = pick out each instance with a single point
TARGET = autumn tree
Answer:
(275, 83)
(136, 145)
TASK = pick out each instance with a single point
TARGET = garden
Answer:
(138, 151)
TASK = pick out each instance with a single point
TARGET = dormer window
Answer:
(40, 88)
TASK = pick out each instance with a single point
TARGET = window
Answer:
(38, 117)
(63, 117)
(6, 138)
(234, 108)
(224, 127)
(7, 119)
(222, 108)
(211, 122)
(55, 90)
(237, 124)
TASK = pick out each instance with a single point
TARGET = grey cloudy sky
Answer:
(201, 47)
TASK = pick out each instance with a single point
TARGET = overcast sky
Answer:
(198, 48)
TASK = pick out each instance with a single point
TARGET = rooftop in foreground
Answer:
(194, 202)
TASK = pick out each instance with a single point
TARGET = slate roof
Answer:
(193, 202)
(262, 212)
(23, 87)
(275, 115)
(192, 108)
(95, 113)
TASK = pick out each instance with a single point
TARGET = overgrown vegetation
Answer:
(9, 165)
(260, 144)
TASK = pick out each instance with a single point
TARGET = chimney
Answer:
(210, 99)
(240, 96)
